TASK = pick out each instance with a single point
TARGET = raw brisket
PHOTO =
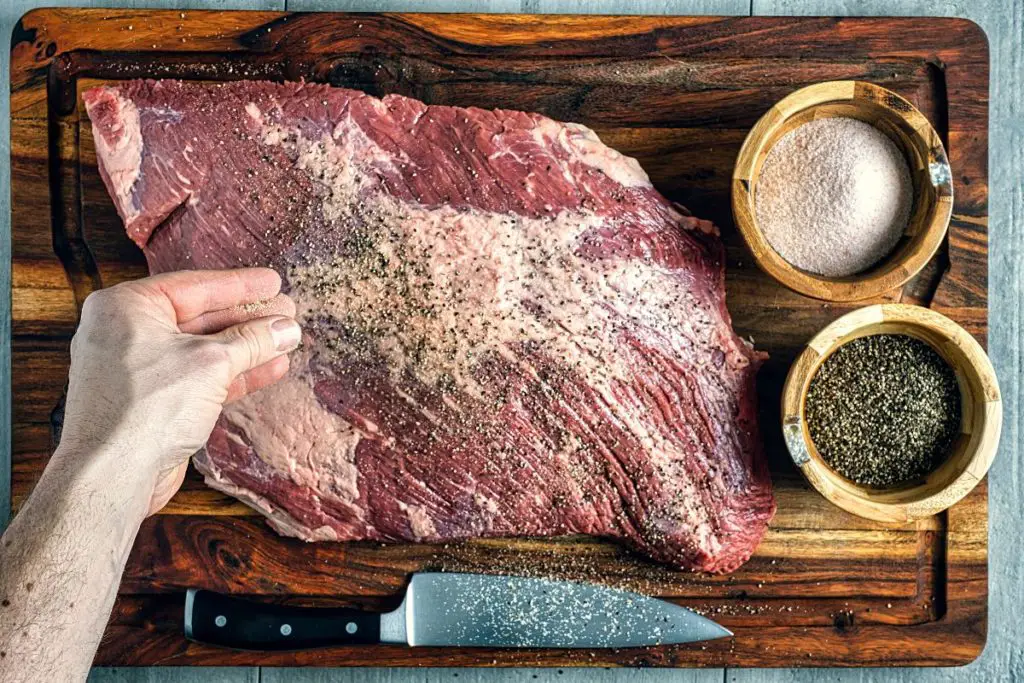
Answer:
(508, 331)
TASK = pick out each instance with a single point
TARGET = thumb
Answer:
(254, 342)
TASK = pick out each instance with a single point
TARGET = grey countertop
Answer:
(1003, 20)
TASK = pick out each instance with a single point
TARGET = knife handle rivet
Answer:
(351, 627)
(286, 629)
(221, 620)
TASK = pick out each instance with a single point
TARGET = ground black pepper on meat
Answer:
(486, 360)
(884, 410)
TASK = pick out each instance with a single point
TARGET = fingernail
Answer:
(287, 334)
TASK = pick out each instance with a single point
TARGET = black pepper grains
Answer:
(883, 410)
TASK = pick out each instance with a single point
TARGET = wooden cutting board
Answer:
(824, 588)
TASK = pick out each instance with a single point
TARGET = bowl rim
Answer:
(888, 274)
(834, 487)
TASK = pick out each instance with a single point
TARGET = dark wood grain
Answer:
(240, 555)
(825, 588)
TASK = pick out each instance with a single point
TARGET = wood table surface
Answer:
(1003, 21)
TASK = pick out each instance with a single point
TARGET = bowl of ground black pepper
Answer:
(842, 191)
(892, 412)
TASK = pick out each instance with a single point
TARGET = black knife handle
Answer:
(222, 620)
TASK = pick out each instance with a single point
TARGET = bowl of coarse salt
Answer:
(842, 191)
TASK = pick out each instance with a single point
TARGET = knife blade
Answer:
(460, 610)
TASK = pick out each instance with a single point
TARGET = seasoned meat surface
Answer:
(507, 330)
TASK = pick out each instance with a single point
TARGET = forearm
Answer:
(152, 364)
(61, 561)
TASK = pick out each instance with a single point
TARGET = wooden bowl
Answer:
(913, 135)
(981, 415)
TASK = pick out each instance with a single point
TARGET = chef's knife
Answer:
(467, 610)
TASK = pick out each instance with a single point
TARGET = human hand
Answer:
(154, 361)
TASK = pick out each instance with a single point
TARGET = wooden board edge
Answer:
(147, 631)
(244, 30)
(967, 79)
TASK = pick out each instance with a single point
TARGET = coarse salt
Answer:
(834, 196)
